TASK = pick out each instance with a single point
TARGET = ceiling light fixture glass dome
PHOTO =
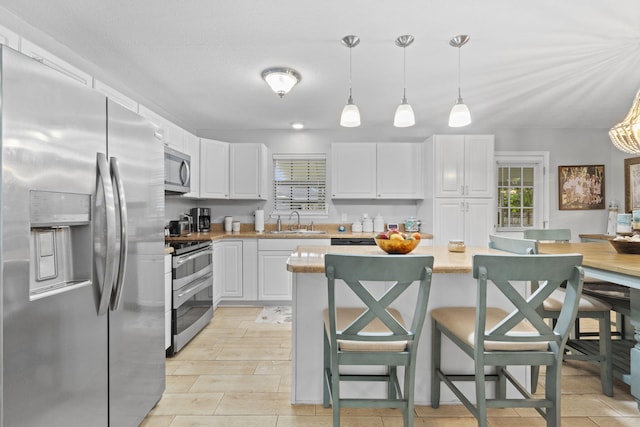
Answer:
(281, 79)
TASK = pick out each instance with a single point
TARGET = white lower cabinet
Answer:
(274, 281)
(227, 270)
(167, 301)
(468, 219)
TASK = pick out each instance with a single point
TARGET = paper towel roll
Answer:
(259, 220)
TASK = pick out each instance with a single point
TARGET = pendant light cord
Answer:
(459, 93)
(404, 72)
(350, 71)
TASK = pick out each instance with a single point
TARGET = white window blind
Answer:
(299, 183)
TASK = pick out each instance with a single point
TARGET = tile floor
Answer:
(237, 373)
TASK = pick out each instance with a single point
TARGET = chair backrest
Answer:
(356, 269)
(550, 271)
(513, 245)
(549, 234)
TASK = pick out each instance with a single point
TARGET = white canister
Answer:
(378, 224)
(235, 226)
(356, 227)
(228, 221)
(367, 225)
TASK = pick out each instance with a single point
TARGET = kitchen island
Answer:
(601, 261)
(452, 285)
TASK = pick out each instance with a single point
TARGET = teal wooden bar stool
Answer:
(370, 333)
(590, 307)
(497, 338)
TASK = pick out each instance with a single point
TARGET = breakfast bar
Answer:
(452, 285)
(601, 261)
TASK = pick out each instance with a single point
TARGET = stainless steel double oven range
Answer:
(192, 298)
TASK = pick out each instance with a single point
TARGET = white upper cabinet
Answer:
(115, 96)
(192, 148)
(166, 131)
(353, 171)
(248, 165)
(9, 38)
(377, 171)
(399, 171)
(214, 169)
(50, 60)
(464, 165)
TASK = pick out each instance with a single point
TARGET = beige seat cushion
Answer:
(461, 321)
(587, 303)
(346, 315)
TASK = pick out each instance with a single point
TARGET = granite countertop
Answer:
(247, 231)
(310, 259)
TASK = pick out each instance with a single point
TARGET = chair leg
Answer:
(501, 384)
(327, 367)
(335, 392)
(535, 375)
(481, 392)
(436, 344)
(606, 365)
(409, 387)
(553, 392)
(392, 371)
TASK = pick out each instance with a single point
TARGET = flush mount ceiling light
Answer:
(404, 113)
(460, 115)
(350, 117)
(626, 134)
(281, 79)
(297, 125)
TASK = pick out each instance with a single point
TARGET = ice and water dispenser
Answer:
(60, 242)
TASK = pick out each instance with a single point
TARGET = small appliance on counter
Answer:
(201, 219)
(412, 224)
(179, 228)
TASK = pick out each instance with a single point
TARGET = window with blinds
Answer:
(299, 183)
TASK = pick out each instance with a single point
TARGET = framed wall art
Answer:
(631, 184)
(581, 187)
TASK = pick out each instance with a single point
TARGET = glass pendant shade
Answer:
(404, 115)
(350, 117)
(625, 136)
(281, 80)
(460, 115)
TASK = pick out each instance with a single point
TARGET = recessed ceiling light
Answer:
(297, 125)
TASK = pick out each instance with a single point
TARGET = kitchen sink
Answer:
(301, 231)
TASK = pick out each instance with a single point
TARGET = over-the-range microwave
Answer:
(177, 171)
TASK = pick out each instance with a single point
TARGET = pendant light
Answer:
(460, 115)
(350, 117)
(404, 113)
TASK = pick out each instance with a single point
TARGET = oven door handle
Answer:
(181, 259)
(182, 294)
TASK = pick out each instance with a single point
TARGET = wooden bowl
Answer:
(626, 247)
(394, 246)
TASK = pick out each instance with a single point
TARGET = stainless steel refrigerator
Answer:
(82, 300)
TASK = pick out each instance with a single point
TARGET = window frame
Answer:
(309, 157)
(539, 160)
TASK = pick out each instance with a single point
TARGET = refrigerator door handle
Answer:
(122, 264)
(109, 272)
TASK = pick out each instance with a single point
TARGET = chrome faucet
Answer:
(291, 214)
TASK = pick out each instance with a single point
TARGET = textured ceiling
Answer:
(529, 64)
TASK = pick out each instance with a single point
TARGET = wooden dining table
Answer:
(601, 261)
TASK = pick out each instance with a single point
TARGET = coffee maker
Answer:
(201, 219)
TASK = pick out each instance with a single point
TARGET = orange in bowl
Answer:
(397, 245)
